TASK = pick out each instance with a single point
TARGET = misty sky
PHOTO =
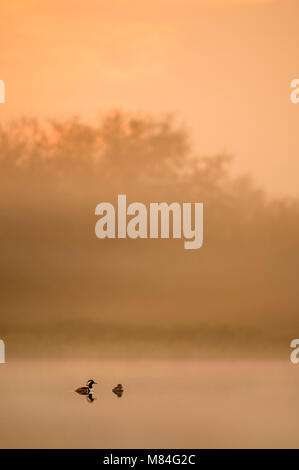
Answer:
(223, 66)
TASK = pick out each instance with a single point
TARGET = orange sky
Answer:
(224, 66)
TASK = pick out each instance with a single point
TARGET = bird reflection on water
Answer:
(91, 397)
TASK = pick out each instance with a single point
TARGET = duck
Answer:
(88, 390)
(118, 390)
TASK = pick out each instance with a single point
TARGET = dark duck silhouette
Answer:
(118, 390)
(88, 391)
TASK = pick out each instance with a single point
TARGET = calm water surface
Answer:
(168, 404)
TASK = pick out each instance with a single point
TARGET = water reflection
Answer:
(91, 397)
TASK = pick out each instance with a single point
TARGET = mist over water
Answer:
(189, 348)
(64, 289)
(211, 328)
